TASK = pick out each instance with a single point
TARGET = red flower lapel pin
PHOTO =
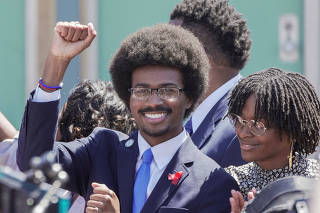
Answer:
(175, 177)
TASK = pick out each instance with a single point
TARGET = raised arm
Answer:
(37, 133)
(69, 39)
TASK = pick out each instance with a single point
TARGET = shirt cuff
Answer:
(43, 96)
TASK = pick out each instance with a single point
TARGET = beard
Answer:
(154, 132)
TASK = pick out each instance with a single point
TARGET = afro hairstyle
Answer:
(164, 45)
(222, 30)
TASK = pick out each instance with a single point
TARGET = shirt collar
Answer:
(163, 152)
(203, 109)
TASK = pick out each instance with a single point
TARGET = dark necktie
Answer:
(188, 126)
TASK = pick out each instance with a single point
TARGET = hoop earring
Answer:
(291, 156)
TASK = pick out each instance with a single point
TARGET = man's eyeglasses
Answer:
(255, 127)
(166, 93)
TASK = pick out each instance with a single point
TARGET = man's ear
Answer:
(189, 102)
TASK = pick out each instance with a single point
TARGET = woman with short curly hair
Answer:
(276, 115)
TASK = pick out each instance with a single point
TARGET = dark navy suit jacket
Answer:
(216, 136)
(103, 157)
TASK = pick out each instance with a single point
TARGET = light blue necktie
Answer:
(141, 182)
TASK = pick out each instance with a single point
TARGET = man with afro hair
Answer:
(155, 169)
(225, 37)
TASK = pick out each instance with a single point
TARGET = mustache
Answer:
(157, 108)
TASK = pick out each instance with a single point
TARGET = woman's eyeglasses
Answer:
(255, 127)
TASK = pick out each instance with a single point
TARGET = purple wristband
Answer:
(50, 87)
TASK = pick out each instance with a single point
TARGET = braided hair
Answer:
(286, 101)
(93, 103)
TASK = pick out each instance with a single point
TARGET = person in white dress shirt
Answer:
(225, 36)
(8, 145)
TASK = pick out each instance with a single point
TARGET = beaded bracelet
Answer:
(53, 88)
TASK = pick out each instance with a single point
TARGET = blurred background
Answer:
(284, 34)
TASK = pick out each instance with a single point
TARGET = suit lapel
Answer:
(127, 159)
(204, 131)
(164, 189)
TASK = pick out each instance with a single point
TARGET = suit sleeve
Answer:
(78, 158)
(37, 131)
(223, 146)
(218, 187)
(37, 135)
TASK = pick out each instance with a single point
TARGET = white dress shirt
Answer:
(8, 152)
(203, 109)
(162, 154)
(43, 96)
(78, 205)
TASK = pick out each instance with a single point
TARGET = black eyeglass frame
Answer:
(150, 92)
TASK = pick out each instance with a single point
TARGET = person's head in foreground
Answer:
(276, 115)
(93, 103)
(160, 72)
